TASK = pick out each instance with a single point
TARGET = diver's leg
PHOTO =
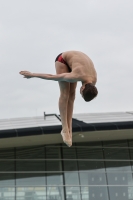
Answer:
(63, 102)
(71, 99)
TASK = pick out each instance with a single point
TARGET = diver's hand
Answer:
(26, 74)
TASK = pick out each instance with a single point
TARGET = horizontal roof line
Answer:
(51, 124)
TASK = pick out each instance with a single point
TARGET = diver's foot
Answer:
(66, 138)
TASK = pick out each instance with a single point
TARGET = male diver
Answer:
(71, 67)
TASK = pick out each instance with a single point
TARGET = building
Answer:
(36, 165)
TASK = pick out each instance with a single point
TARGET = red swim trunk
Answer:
(60, 59)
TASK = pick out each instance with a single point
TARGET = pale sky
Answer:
(34, 32)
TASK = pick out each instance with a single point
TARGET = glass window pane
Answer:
(31, 193)
(70, 167)
(91, 153)
(89, 144)
(73, 193)
(90, 165)
(55, 193)
(117, 178)
(7, 166)
(116, 150)
(118, 165)
(52, 152)
(120, 193)
(98, 193)
(7, 153)
(54, 179)
(30, 152)
(30, 179)
(117, 154)
(85, 193)
(69, 153)
(7, 179)
(115, 143)
(53, 165)
(131, 151)
(93, 178)
(31, 165)
(130, 193)
(7, 193)
(71, 178)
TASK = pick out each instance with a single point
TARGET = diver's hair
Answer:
(89, 92)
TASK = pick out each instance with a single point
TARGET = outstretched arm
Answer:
(68, 77)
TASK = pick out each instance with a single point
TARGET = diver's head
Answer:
(88, 91)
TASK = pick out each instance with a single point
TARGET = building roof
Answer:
(54, 120)
(28, 122)
(105, 117)
(49, 127)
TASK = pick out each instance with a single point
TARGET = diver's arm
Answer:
(68, 77)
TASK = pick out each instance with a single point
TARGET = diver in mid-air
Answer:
(71, 67)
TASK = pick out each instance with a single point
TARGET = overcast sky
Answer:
(34, 32)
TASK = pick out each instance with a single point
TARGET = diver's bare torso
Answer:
(82, 69)
(80, 64)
